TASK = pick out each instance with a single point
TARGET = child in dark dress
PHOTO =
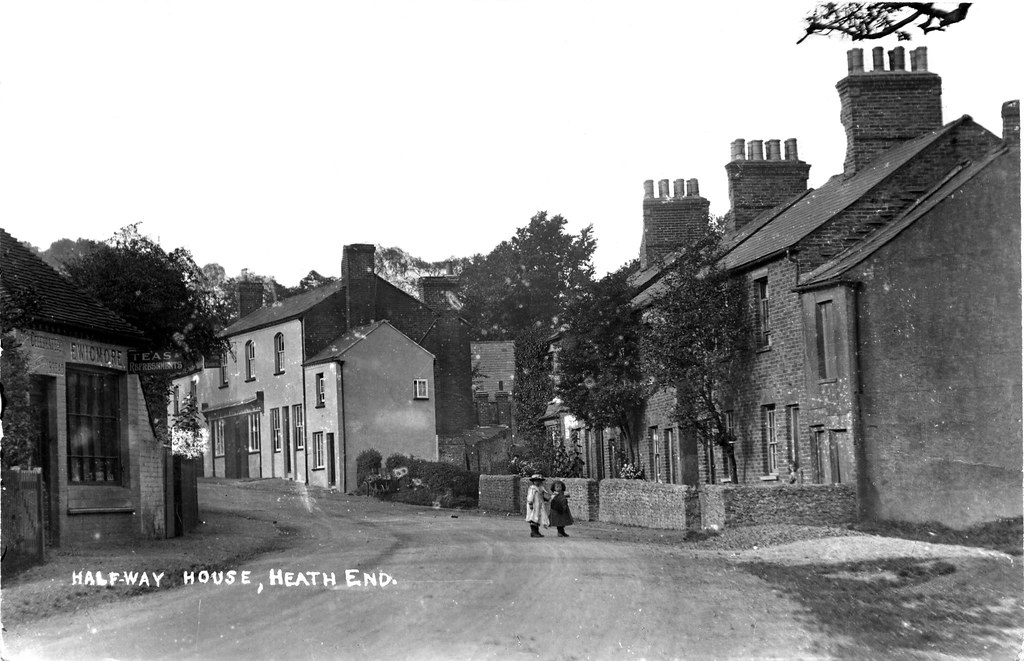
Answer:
(560, 515)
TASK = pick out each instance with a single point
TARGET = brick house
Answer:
(887, 333)
(258, 399)
(103, 468)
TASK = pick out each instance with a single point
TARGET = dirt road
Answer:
(458, 586)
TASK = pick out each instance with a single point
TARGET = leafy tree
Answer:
(20, 430)
(523, 283)
(534, 388)
(189, 438)
(312, 280)
(875, 20)
(696, 333)
(63, 251)
(404, 270)
(600, 377)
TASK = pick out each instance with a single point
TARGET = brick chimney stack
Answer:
(757, 184)
(670, 221)
(438, 292)
(880, 108)
(250, 294)
(360, 284)
(1011, 123)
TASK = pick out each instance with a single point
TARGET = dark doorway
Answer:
(43, 397)
(332, 470)
(236, 447)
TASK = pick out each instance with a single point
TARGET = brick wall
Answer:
(670, 221)
(756, 185)
(323, 323)
(499, 493)
(816, 504)
(146, 456)
(648, 504)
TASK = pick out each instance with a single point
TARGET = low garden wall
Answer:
(499, 493)
(811, 504)
(582, 492)
(649, 504)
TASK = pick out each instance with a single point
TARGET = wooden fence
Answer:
(22, 532)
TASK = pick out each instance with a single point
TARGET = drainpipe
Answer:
(305, 446)
(344, 434)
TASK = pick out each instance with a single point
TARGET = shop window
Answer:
(94, 427)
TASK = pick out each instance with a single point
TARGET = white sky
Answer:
(266, 135)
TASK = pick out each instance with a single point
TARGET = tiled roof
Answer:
(857, 253)
(493, 362)
(819, 206)
(58, 302)
(341, 344)
(284, 310)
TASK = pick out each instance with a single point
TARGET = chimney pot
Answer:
(663, 189)
(678, 189)
(755, 150)
(878, 58)
(649, 189)
(897, 59)
(738, 147)
(919, 59)
(791, 154)
(1011, 122)
(855, 60)
(774, 150)
(692, 188)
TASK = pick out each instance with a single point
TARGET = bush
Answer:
(428, 482)
(394, 461)
(367, 463)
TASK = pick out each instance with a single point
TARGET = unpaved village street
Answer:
(461, 585)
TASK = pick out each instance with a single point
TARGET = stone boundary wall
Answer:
(649, 504)
(582, 492)
(814, 504)
(500, 493)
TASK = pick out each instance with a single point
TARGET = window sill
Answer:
(250, 379)
(300, 447)
(317, 469)
(823, 381)
(256, 451)
(277, 451)
(218, 456)
(763, 349)
(320, 406)
(223, 386)
(279, 373)
(101, 510)
(769, 478)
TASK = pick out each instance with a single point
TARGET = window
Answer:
(420, 387)
(793, 422)
(298, 431)
(318, 449)
(224, 370)
(652, 453)
(730, 428)
(218, 437)
(764, 323)
(320, 395)
(771, 441)
(250, 361)
(192, 393)
(501, 386)
(177, 400)
(279, 353)
(275, 429)
(824, 327)
(94, 427)
(254, 432)
(672, 456)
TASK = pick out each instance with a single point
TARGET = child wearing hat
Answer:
(560, 514)
(536, 499)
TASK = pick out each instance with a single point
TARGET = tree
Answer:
(165, 295)
(865, 20)
(63, 251)
(695, 336)
(600, 377)
(20, 428)
(523, 283)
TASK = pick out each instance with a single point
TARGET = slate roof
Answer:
(58, 302)
(773, 234)
(344, 342)
(946, 188)
(289, 308)
(493, 361)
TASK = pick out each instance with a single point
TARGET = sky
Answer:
(267, 135)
